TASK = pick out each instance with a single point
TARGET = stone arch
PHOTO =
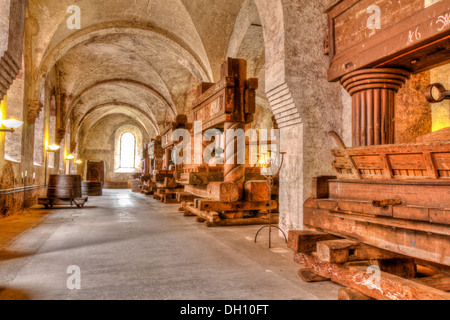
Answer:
(190, 59)
(119, 103)
(139, 84)
(278, 90)
(12, 28)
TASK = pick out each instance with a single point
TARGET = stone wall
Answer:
(413, 111)
(102, 143)
(305, 105)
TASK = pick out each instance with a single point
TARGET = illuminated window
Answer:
(127, 150)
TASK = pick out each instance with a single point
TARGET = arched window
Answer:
(127, 151)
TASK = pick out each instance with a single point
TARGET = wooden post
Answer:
(373, 104)
(233, 171)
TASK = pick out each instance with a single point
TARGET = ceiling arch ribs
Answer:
(186, 56)
(97, 108)
(132, 82)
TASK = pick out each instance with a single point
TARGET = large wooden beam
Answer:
(242, 222)
(208, 205)
(419, 240)
(342, 251)
(391, 287)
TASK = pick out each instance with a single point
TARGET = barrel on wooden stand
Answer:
(91, 188)
(64, 187)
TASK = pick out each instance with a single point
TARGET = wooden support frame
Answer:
(228, 190)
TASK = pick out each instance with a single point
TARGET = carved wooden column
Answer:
(373, 104)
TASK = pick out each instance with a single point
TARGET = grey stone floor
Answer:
(129, 246)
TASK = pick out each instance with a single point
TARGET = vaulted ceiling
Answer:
(138, 58)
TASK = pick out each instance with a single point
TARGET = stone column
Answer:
(373, 104)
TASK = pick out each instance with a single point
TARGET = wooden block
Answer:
(306, 241)
(223, 191)
(185, 197)
(320, 187)
(352, 295)
(411, 213)
(309, 276)
(256, 191)
(439, 216)
(341, 251)
(203, 87)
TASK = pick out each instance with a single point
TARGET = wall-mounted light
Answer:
(53, 148)
(11, 125)
(79, 161)
(70, 157)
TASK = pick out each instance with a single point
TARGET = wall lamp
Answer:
(11, 125)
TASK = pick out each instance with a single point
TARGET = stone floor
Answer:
(129, 246)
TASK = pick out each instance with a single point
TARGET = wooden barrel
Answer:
(93, 189)
(64, 186)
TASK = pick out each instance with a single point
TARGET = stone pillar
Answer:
(373, 104)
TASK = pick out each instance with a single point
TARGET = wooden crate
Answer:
(419, 161)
